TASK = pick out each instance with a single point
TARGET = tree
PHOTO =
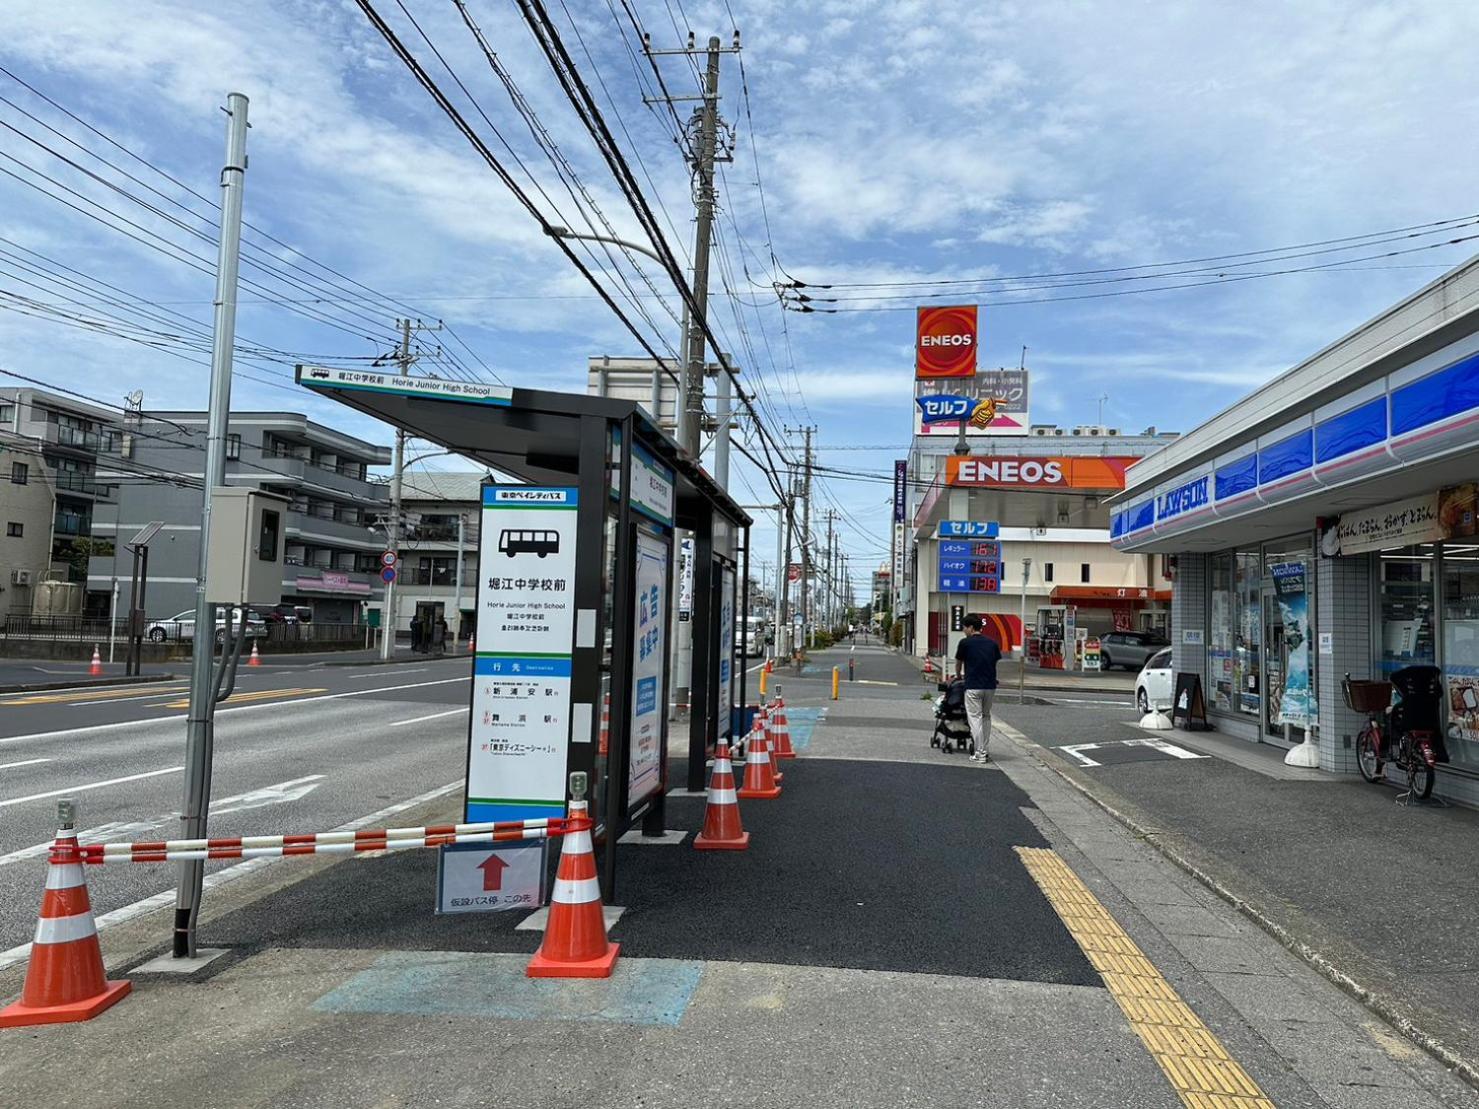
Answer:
(81, 551)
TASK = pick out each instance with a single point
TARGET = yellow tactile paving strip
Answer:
(1191, 1057)
(257, 695)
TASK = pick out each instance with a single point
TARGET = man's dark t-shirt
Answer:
(980, 655)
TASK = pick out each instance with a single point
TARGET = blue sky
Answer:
(897, 141)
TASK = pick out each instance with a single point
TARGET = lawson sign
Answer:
(1183, 499)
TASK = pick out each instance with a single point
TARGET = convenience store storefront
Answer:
(1325, 524)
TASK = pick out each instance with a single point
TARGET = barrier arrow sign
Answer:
(492, 868)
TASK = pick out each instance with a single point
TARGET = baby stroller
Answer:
(952, 730)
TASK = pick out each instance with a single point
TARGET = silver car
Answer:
(1129, 649)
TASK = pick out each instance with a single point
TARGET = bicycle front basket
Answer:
(1364, 696)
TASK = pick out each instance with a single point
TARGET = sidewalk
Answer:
(1009, 673)
(1384, 896)
(881, 944)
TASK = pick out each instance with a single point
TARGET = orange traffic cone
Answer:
(722, 828)
(929, 665)
(770, 666)
(256, 659)
(780, 730)
(471, 648)
(763, 719)
(65, 980)
(759, 772)
(95, 669)
(575, 944)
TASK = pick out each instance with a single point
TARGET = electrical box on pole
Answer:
(244, 560)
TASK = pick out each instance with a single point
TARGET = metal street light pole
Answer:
(1022, 635)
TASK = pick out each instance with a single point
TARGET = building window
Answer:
(1405, 586)
(1047, 571)
(7, 413)
(1234, 642)
(20, 473)
(1083, 572)
(1461, 650)
(14, 530)
(233, 447)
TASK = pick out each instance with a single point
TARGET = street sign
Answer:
(969, 529)
(387, 575)
(388, 558)
(484, 878)
(374, 381)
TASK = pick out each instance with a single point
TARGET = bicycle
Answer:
(1413, 752)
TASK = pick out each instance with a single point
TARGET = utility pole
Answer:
(403, 358)
(721, 420)
(830, 608)
(457, 601)
(788, 506)
(806, 615)
(200, 723)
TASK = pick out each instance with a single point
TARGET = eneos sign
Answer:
(999, 472)
(945, 342)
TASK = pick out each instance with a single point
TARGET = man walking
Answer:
(976, 657)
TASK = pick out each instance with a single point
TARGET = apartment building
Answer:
(27, 513)
(334, 531)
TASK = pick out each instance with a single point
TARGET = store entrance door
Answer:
(1288, 654)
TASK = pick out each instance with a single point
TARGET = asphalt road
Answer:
(298, 748)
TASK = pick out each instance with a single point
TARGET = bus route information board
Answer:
(519, 734)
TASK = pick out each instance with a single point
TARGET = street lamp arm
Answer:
(566, 233)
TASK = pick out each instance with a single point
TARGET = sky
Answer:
(874, 141)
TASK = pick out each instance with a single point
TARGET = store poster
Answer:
(1291, 587)
(726, 652)
(649, 655)
(519, 734)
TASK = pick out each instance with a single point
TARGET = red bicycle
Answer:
(1417, 749)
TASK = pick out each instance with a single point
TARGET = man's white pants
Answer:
(978, 714)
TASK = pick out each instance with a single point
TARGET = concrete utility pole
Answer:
(457, 595)
(693, 366)
(806, 615)
(788, 509)
(201, 719)
(404, 359)
(721, 431)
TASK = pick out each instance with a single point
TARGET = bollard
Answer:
(851, 671)
(836, 682)
(764, 673)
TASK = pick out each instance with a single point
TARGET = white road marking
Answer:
(1076, 751)
(233, 872)
(415, 670)
(91, 728)
(433, 716)
(282, 792)
(25, 762)
(1164, 748)
(1082, 700)
(90, 786)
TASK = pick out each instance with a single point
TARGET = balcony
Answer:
(70, 481)
(316, 531)
(290, 466)
(75, 439)
(70, 526)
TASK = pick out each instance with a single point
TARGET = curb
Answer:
(47, 687)
(394, 661)
(1377, 1002)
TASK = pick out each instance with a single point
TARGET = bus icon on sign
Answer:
(515, 541)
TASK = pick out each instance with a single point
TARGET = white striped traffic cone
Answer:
(95, 668)
(780, 731)
(255, 660)
(722, 828)
(575, 943)
(65, 979)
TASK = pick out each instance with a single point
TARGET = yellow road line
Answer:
(256, 695)
(78, 697)
(1193, 1060)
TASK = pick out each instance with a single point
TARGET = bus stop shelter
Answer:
(576, 578)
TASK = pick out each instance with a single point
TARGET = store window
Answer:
(1047, 571)
(1461, 650)
(1083, 572)
(1405, 587)
(1234, 654)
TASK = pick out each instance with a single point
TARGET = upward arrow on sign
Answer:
(492, 868)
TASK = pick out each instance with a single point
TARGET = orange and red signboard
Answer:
(945, 342)
(1066, 472)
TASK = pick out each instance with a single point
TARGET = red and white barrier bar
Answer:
(326, 843)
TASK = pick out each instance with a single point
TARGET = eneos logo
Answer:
(945, 342)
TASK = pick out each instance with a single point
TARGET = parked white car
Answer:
(181, 626)
(1156, 683)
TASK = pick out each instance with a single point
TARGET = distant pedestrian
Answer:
(439, 636)
(415, 633)
(976, 657)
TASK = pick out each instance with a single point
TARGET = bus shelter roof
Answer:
(530, 434)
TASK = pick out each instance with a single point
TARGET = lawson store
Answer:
(1325, 524)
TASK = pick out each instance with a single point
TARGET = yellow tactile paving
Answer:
(78, 697)
(257, 695)
(1193, 1060)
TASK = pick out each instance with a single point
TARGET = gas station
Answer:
(576, 578)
